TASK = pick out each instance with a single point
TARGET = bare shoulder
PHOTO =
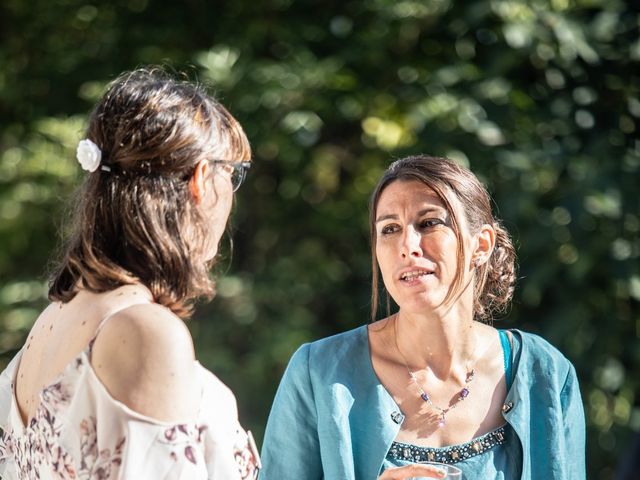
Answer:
(146, 329)
(144, 356)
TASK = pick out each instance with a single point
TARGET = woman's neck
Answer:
(445, 344)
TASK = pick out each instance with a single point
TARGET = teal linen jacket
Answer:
(332, 419)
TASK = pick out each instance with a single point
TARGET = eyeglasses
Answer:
(237, 170)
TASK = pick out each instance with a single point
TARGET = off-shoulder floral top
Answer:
(80, 431)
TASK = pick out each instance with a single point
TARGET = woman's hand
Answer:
(410, 471)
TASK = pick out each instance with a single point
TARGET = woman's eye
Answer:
(389, 229)
(431, 222)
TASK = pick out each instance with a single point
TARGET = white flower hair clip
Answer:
(89, 156)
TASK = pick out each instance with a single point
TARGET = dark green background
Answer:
(540, 98)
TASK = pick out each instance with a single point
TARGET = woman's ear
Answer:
(198, 184)
(485, 241)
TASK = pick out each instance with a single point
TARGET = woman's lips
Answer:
(412, 276)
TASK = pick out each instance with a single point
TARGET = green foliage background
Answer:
(539, 97)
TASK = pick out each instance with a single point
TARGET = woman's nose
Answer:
(411, 243)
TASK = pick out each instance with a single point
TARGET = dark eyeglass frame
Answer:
(239, 170)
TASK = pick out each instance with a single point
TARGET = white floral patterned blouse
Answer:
(80, 432)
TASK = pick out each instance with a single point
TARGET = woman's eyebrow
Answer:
(393, 216)
(431, 209)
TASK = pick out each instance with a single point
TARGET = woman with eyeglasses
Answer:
(107, 385)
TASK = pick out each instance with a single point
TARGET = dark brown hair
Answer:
(138, 222)
(495, 279)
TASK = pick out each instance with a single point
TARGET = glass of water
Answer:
(451, 471)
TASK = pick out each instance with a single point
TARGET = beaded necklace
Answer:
(442, 412)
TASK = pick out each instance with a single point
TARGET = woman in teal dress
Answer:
(433, 381)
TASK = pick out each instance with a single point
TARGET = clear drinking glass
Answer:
(452, 472)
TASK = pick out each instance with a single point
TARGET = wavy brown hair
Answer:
(138, 222)
(494, 281)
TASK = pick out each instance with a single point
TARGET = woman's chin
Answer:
(421, 304)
